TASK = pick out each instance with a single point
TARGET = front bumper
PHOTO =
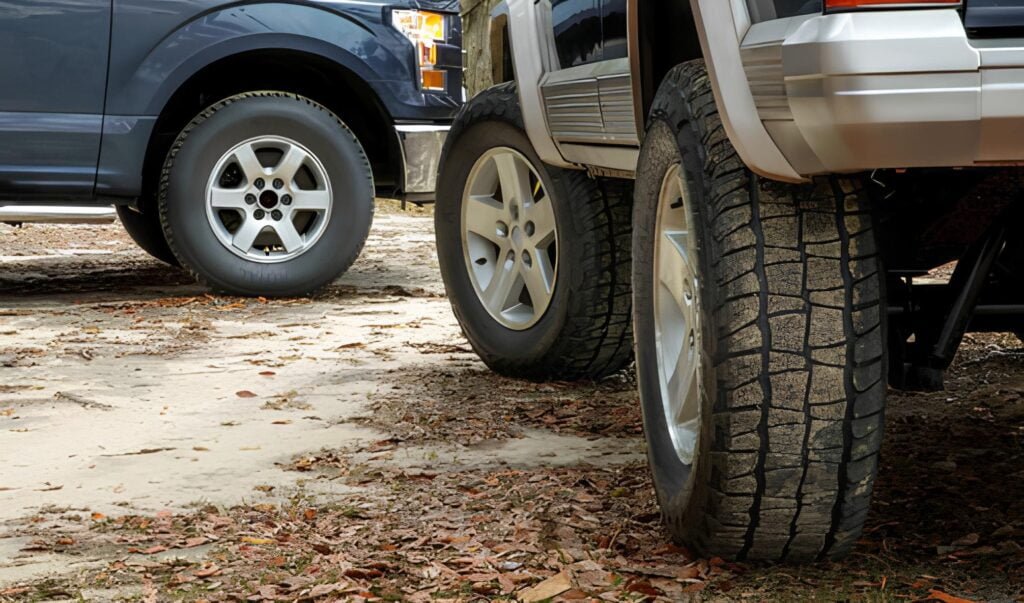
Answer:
(896, 89)
(421, 146)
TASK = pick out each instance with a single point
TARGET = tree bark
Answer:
(476, 16)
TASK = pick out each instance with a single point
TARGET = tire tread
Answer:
(800, 405)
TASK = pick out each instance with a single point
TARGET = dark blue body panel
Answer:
(92, 76)
(53, 65)
(984, 15)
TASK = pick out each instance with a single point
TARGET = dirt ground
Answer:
(158, 443)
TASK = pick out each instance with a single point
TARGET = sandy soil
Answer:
(159, 443)
(124, 387)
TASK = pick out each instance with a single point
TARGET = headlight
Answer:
(425, 30)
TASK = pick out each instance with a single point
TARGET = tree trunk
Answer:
(476, 16)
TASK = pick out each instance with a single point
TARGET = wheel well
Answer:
(502, 67)
(312, 76)
(666, 37)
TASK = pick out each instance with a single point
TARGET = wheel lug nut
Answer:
(260, 183)
(286, 199)
(250, 198)
(259, 214)
(530, 229)
(527, 259)
(278, 183)
(276, 214)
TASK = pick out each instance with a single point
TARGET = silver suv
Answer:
(750, 197)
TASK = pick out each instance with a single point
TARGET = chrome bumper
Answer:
(421, 155)
(899, 89)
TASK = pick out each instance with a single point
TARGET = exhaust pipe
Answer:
(56, 214)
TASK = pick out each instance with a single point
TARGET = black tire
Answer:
(182, 197)
(792, 338)
(585, 331)
(148, 234)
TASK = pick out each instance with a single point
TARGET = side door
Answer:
(588, 95)
(53, 69)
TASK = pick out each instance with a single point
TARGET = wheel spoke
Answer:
(290, 163)
(670, 343)
(542, 214)
(483, 216)
(314, 200)
(246, 234)
(502, 291)
(223, 198)
(688, 391)
(538, 278)
(675, 271)
(514, 176)
(245, 155)
(291, 240)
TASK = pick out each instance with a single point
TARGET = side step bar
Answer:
(56, 214)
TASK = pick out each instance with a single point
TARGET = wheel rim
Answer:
(677, 315)
(510, 238)
(268, 199)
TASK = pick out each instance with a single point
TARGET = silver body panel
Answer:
(896, 89)
(581, 117)
(799, 96)
(591, 104)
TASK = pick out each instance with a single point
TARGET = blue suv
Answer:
(244, 141)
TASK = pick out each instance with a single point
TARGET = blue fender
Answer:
(141, 83)
(144, 76)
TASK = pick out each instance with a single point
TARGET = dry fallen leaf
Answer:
(938, 595)
(254, 540)
(548, 589)
(245, 394)
(208, 572)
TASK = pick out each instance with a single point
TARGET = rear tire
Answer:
(148, 234)
(774, 454)
(563, 246)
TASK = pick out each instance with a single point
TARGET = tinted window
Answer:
(577, 25)
(792, 8)
(766, 10)
(613, 22)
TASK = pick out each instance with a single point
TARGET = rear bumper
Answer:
(421, 146)
(896, 89)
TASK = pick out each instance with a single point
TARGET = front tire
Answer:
(266, 194)
(535, 259)
(759, 337)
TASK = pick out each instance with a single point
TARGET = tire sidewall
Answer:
(683, 491)
(489, 337)
(188, 170)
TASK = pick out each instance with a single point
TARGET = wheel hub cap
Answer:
(268, 199)
(509, 238)
(677, 315)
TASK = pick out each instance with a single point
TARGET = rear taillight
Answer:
(879, 4)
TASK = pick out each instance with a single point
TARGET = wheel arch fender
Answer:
(371, 57)
(712, 30)
(207, 39)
